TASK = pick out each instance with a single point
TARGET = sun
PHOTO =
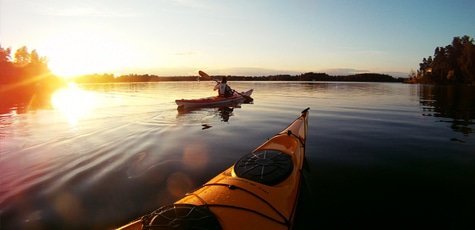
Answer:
(67, 68)
(75, 53)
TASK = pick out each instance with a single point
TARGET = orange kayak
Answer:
(260, 191)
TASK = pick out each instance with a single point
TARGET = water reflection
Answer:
(73, 102)
(454, 102)
(223, 113)
(18, 100)
(21, 101)
(134, 141)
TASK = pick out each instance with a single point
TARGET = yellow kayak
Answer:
(260, 191)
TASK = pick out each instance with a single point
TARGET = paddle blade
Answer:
(248, 99)
(204, 75)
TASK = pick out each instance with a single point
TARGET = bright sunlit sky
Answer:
(250, 37)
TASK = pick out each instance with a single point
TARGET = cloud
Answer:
(397, 74)
(251, 71)
(189, 3)
(82, 9)
(185, 53)
(350, 71)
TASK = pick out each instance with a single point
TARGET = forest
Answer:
(25, 78)
(452, 64)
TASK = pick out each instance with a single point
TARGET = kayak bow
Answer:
(260, 191)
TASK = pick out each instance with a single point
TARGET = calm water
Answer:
(379, 155)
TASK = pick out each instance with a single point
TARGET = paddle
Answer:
(206, 76)
(247, 98)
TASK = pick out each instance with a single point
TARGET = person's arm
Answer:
(216, 87)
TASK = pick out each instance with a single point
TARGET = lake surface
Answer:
(381, 155)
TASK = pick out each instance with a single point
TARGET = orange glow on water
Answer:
(195, 156)
(178, 184)
(73, 103)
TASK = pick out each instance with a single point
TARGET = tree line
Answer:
(28, 71)
(452, 64)
(310, 76)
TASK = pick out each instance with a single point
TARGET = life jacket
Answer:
(225, 90)
(228, 91)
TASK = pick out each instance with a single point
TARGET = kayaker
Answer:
(224, 90)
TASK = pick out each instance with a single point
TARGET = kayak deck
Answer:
(259, 191)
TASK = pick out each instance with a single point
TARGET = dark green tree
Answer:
(452, 64)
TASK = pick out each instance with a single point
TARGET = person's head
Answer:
(224, 80)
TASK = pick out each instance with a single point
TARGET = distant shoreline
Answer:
(364, 77)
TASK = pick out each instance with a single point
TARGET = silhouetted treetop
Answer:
(452, 64)
(310, 76)
(25, 79)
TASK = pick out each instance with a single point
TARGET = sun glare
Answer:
(79, 53)
(73, 103)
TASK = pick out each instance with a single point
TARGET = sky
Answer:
(237, 37)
